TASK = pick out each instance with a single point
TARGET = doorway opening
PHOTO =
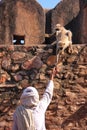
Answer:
(18, 40)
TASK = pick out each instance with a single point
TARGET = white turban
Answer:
(29, 97)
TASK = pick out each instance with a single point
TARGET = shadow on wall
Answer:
(50, 38)
(80, 114)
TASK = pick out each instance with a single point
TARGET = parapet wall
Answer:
(21, 66)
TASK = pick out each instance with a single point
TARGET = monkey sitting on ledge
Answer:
(63, 37)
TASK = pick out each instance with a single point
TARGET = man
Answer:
(30, 115)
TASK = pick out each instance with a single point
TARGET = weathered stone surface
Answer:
(51, 60)
(35, 62)
(68, 108)
(3, 78)
(64, 12)
(82, 37)
(18, 55)
(15, 67)
(21, 18)
(78, 24)
(24, 83)
(17, 77)
(6, 62)
(69, 14)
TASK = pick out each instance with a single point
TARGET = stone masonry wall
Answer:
(21, 66)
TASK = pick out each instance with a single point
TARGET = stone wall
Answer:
(27, 20)
(72, 15)
(68, 17)
(21, 18)
(83, 22)
(21, 66)
(64, 12)
(78, 24)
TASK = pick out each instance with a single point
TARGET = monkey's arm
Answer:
(69, 33)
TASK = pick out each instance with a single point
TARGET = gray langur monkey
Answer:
(63, 37)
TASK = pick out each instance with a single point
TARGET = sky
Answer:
(48, 3)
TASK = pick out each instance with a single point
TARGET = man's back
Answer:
(38, 112)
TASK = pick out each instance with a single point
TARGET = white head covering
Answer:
(29, 97)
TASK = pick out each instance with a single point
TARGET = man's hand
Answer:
(54, 72)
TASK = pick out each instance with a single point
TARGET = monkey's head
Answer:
(58, 29)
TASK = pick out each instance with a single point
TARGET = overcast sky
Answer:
(48, 3)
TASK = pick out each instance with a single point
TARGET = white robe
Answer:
(39, 111)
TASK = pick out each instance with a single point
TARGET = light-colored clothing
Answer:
(24, 118)
(29, 97)
(39, 111)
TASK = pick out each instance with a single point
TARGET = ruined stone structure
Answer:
(21, 66)
(26, 22)
(21, 22)
(78, 24)
(83, 22)
(72, 15)
(65, 12)
(67, 17)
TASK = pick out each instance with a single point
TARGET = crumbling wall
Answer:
(67, 14)
(72, 15)
(21, 66)
(64, 12)
(22, 18)
(83, 22)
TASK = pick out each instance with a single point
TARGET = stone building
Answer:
(65, 16)
(20, 68)
(21, 22)
(83, 22)
(71, 14)
(25, 22)
(78, 25)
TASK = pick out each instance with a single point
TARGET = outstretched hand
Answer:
(53, 74)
